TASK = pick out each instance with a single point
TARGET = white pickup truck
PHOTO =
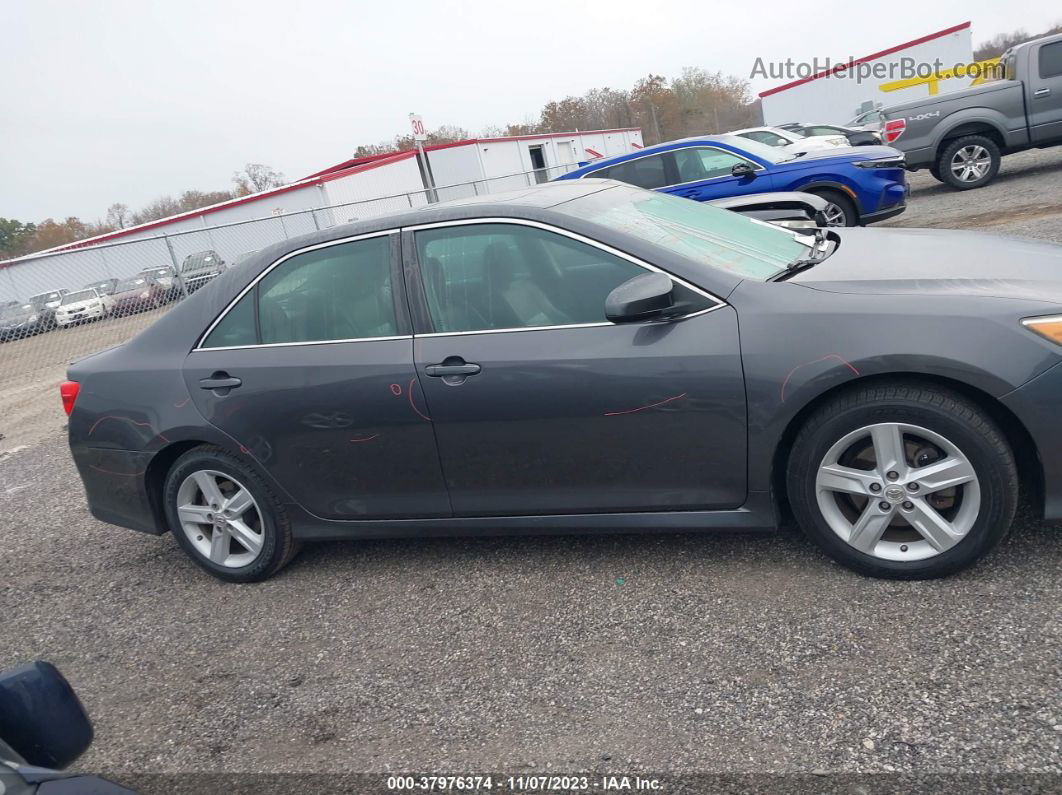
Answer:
(961, 136)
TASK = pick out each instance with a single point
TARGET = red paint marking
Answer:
(643, 408)
(244, 450)
(92, 430)
(396, 390)
(594, 153)
(827, 357)
(120, 474)
(409, 392)
(182, 404)
(365, 438)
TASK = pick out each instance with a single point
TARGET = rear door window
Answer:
(336, 293)
(643, 172)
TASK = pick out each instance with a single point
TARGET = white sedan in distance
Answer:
(791, 141)
(82, 306)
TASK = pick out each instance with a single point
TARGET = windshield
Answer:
(158, 273)
(16, 311)
(130, 284)
(80, 295)
(199, 262)
(710, 235)
(45, 298)
(766, 152)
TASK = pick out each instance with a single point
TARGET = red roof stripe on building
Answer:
(872, 57)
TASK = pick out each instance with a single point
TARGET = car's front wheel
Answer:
(839, 210)
(225, 517)
(903, 481)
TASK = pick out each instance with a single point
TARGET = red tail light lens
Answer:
(68, 391)
(894, 129)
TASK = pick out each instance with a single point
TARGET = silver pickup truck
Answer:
(961, 136)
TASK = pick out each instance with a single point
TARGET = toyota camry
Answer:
(586, 356)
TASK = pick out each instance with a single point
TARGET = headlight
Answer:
(1047, 327)
(145, 294)
(32, 319)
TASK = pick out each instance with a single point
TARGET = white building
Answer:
(841, 92)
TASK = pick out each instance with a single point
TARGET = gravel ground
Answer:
(657, 654)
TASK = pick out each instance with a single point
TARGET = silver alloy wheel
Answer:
(835, 215)
(221, 518)
(898, 492)
(971, 163)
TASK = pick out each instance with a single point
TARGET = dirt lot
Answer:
(528, 656)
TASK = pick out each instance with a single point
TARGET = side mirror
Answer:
(642, 298)
(742, 170)
(41, 717)
(780, 142)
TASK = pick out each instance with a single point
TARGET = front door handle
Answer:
(220, 381)
(453, 370)
(1042, 92)
(451, 367)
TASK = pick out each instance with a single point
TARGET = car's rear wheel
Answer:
(969, 162)
(225, 517)
(839, 210)
(903, 481)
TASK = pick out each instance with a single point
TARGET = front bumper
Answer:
(1037, 405)
(70, 318)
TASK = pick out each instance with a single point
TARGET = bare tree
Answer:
(256, 177)
(118, 216)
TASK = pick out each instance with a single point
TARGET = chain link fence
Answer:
(57, 307)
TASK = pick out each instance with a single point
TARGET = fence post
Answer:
(313, 215)
(176, 267)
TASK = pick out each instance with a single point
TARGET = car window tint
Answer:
(496, 276)
(1051, 59)
(698, 163)
(643, 172)
(339, 292)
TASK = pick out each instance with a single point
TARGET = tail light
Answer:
(68, 391)
(894, 129)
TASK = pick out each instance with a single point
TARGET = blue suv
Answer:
(861, 184)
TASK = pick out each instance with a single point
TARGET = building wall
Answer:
(376, 190)
(838, 99)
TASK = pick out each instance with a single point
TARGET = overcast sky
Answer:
(111, 101)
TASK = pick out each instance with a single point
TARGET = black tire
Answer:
(278, 546)
(936, 409)
(936, 173)
(843, 203)
(943, 164)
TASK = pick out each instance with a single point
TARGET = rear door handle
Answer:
(1041, 92)
(220, 381)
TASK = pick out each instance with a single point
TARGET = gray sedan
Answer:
(586, 356)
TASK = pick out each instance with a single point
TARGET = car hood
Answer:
(20, 319)
(78, 305)
(944, 262)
